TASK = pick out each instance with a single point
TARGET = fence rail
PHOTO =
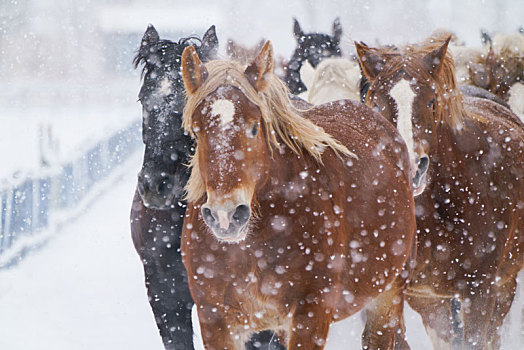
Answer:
(27, 205)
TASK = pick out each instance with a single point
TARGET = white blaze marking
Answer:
(404, 96)
(225, 109)
(223, 220)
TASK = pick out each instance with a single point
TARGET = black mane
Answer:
(144, 52)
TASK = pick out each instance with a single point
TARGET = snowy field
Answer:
(62, 120)
(85, 290)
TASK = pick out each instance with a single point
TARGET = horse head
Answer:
(167, 149)
(232, 156)
(406, 89)
(311, 49)
(314, 47)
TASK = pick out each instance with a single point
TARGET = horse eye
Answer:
(195, 130)
(254, 130)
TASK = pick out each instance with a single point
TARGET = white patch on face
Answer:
(165, 87)
(404, 97)
(225, 109)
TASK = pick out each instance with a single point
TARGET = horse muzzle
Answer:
(419, 180)
(158, 191)
(227, 223)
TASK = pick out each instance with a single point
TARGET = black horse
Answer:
(157, 212)
(158, 208)
(312, 47)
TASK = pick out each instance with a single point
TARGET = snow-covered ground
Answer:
(85, 290)
(65, 120)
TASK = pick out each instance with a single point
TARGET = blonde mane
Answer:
(335, 72)
(281, 120)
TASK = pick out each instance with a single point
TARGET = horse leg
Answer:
(170, 300)
(266, 340)
(478, 305)
(385, 328)
(310, 327)
(441, 323)
(218, 332)
(505, 296)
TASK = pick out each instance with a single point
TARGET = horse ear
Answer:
(297, 31)
(150, 37)
(485, 38)
(337, 30)
(209, 46)
(262, 66)
(492, 64)
(194, 73)
(371, 61)
(433, 60)
(491, 58)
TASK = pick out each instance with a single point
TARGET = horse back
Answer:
(356, 125)
(487, 156)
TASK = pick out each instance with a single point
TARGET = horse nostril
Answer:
(141, 188)
(423, 164)
(207, 214)
(422, 168)
(241, 215)
(163, 185)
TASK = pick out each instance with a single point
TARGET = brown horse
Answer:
(501, 71)
(295, 219)
(467, 158)
(242, 53)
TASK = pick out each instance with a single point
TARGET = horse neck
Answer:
(182, 142)
(292, 76)
(285, 167)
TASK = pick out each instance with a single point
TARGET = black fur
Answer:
(157, 228)
(312, 47)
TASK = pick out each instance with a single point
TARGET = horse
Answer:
(242, 53)
(467, 156)
(311, 48)
(158, 208)
(501, 71)
(295, 218)
(335, 79)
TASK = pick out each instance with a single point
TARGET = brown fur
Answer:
(333, 232)
(280, 117)
(242, 53)
(410, 59)
(470, 218)
(498, 71)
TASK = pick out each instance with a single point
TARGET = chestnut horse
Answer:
(467, 157)
(295, 219)
(501, 71)
(242, 53)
